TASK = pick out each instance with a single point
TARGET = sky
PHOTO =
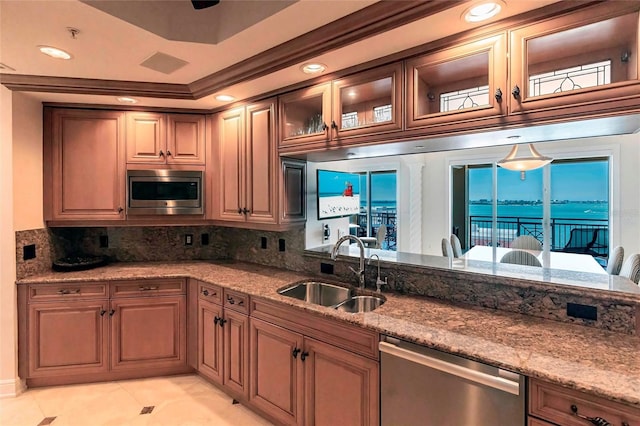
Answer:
(583, 181)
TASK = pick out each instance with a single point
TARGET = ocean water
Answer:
(596, 211)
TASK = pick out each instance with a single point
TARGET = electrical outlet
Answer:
(188, 239)
(263, 242)
(29, 252)
(204, 239)
(104, 241)
(281, 244)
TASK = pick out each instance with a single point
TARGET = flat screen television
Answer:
(338, 194)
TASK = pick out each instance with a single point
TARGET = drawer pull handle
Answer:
(63, 291)
(222, 321)
(216, 319)
(205, 292)
(102, 312)
(147, 288)
(304, 355)
(295, 352)
(113, 311)
(232, 301)
(598, 421)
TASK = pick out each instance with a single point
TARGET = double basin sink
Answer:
(332, 295)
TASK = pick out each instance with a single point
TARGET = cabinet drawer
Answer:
(554, 403)
(147, 288)
(236, 301)
(43, 292)
(209, 292)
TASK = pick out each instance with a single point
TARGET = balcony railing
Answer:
(574, 235)
(379, 217)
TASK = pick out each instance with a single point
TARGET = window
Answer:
(574, 78)
(378, 206)
(578, 206)
(466, 98)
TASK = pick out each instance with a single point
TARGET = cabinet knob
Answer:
(324, 127)
(221, 322)
(102, 312)
(161, 154)
(168, 153)
(113, 311)
(216, 319)
(246, 210)
(516, 92)
(120, 209)
(498, 95)
(295, 352)
(598, 421)
(230, 300)
(304, 355)
(239, 210)
(334, 125)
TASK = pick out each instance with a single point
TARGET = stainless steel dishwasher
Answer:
(425, 387)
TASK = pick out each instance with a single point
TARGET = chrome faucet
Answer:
(379, 282)
(334, 254)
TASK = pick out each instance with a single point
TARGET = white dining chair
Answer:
(456, 246)
(614, 263)
(631, 268)
(519, 257)
(447, 250)
(526, 242)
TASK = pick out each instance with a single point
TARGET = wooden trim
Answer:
(90, 86)
(123, 107)
(138, 373)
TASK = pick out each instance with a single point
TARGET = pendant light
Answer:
(534, 161)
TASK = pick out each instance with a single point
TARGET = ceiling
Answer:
(115, 37)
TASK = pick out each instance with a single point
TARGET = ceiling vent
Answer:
(163, 63)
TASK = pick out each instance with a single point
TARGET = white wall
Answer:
(9, 385)
(424, 182)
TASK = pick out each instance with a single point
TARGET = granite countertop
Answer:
(587, 359)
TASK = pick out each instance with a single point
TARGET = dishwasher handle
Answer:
(495, 382)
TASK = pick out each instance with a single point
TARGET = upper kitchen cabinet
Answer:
(165, 139)
(84, 165)
(341, 112)
(250, 184)
(458, 84)
(587, 60)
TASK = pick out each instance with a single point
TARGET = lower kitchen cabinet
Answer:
(68, 338)
(72, 333)
(223, 338)
(300, 380)
(148, 332)
(551, 404)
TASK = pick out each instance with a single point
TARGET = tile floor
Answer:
(178, 400)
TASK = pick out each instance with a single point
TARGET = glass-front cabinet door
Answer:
(585, 59)
(457, 84)
(305, 115)
(368, 102)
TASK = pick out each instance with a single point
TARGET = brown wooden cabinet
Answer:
(165, 139)
(584, 60)
(84, 165)
(71, 333)
(250, 184)
(563, 406)
(223, 338)
(68, 338)
(367, 104)
(457, 84)
(310, 370)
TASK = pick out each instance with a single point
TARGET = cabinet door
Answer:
(277, 372)
(305, 116)
(236, 352)
(228, 169)
(340, 387)
(85, 161)
(185, 139)
(261, 163)
(210, 340)
(68, 338)
(146, 138)
(148, 332)
(586, 59)
(458, 84)
(368, 102)
(292, 191)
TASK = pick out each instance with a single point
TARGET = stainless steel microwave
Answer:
(164, 192)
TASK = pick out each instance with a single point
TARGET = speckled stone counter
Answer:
(600, 362)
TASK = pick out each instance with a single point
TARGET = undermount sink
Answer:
(320, 293)
(360, 304)
(332, 295)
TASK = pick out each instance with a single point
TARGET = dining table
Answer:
(548, 259)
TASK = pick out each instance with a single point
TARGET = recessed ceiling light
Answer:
(54, 52)
(352, 94)
(225, 98)
(418, 147)
(126, 100)
(313, 68)
(481, 11)
(513, 137)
